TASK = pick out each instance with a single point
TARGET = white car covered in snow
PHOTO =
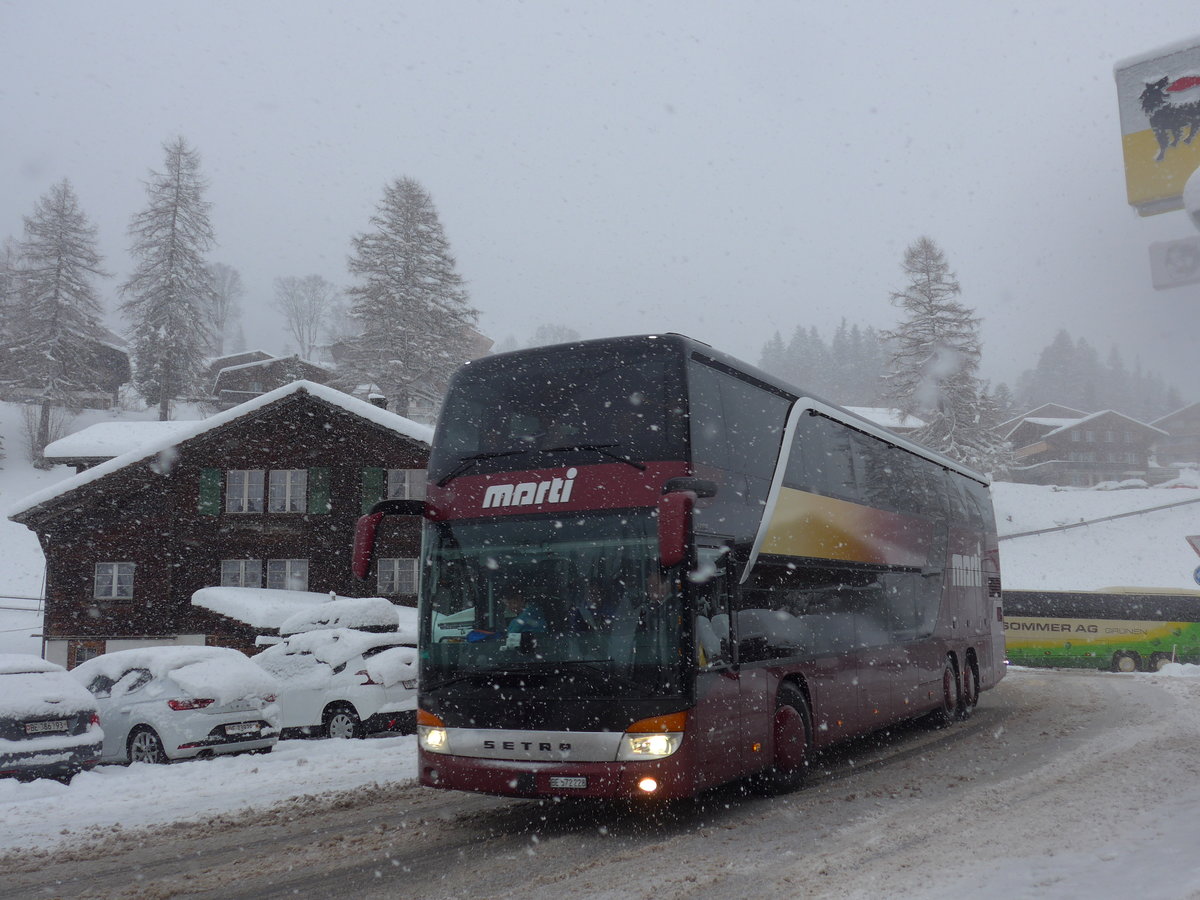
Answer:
(342, 683)
(159, 704)
(49, 725)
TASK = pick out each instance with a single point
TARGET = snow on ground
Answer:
(44, 812)
(1146, 550)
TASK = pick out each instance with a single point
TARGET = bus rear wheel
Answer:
(970, 691)
(793, 740)
(1158, 660)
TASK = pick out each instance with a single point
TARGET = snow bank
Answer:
(1180, 670)
(45, 813)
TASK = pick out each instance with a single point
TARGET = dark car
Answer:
(49, 725)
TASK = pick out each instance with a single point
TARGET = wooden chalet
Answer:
(257, 373)
(1181, 445)
(263, 495)
(1058, 445)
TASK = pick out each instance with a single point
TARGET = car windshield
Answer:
(530, 600)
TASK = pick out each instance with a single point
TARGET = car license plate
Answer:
(242, 728)
(575, 782)
(45, 727)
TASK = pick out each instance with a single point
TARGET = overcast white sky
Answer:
(724, 170)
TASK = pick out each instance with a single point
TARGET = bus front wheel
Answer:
(1125, 661)
(948, 710)
(793, 739)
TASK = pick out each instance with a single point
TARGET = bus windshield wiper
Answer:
(466, 462)
(601, 449)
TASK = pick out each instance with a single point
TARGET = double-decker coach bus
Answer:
(1121, 629)
(648, 568)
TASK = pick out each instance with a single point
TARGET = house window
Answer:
(244, 491)
(406, 484)
(241, 573)
(1127, 437)
(114, 581)
(397, 576)
(289, 490)
(1089, 436)
(1076, 436)
(81, 651)
(287, 574)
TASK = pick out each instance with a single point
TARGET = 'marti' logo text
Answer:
(530, 493)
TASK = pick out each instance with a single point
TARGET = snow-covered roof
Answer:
(104, 440)
(1172, 415)
(1051, 423)
(1075, 423)
(888, 418)
(164, 446)
(267, 362)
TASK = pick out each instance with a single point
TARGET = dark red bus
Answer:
(649, 568)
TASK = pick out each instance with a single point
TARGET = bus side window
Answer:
(710, 584)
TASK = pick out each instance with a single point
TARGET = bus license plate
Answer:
(242, 728)
(577, 782)
(45, 727)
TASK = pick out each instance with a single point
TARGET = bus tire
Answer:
(946, 713)
(792, 739)
(970, 690)
(1125, 661)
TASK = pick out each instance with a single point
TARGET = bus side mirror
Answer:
(674, 513)
(367, 527)
(364, 544)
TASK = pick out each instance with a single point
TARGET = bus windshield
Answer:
(573, 607)
(622, 402)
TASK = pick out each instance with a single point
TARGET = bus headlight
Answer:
(431, 733)
(649, 746)
(653, 738)
(433, 739)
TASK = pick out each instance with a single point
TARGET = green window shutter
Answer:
(210, 492)
(318, 491)
(373, 480)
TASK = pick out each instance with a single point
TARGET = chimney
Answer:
(377, 400)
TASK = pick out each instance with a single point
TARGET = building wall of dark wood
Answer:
(151, 514)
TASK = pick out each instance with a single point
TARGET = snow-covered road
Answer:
(1062, 785)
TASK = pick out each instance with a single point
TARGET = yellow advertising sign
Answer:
(1158, 95)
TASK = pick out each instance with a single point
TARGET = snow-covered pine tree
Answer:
(935, 357)
(54, 317)
(171, 287)
(409, 301)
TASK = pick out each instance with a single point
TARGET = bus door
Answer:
(715, 720)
